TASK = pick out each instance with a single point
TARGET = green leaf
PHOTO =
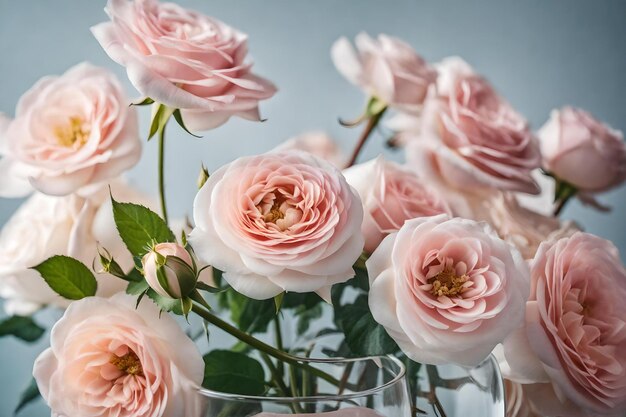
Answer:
(252, 316)
(145, 102)
(278, 301)
(30, 394)
(179, 119)
(137, 287)
(68, 277)
(233, 373)
(364, 335)
(139, 227)
(168, 304)
(23, 328)
(306, 316)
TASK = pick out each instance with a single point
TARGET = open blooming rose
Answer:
(583, 151)
(45, 226)
(317, 143)
(386, 68)
(184, 60)
(575, 333)
(447, 290)
(108, 359)
(285, 221)
(69, 132)
(470, 138)
(391, 194)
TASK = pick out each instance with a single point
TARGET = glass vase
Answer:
(367, 387)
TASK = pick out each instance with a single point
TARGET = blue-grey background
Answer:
(540, 55)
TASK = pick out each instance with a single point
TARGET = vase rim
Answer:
(398, 377)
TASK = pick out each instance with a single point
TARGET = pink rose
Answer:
(386, 68)
(45, 226)
(391, 194)
(447, 290)
(522, 227)
(178, 278)
(107, 358)
(69, 132)
(285, 221)
(319, 144)
(184, 60)
(583, 151)
(471, 139)
(575, 334)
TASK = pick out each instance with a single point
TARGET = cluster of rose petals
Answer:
(317, 143)
(583, 151)
(69, 132)
(471, 138)
(435, 328)
(391, 194)
(386, 68)
(184, 60)
(285, 221)
(575, 333)
(45, 226)
(110, 359)
(524, 228)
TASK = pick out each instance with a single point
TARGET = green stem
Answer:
(261, 346)
(276, 377)
(433, 379)
(372, 122)
(162, 171)
(279, 340)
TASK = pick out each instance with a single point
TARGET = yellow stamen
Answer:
(447, 283)
(275, 213)
(129, 364)
(72, 133)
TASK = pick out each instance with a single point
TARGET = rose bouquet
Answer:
(430, 262)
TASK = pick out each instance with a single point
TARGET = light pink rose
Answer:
(471, 139)
(178, 275)
(184, 60)
(72, 225)
(517, 403)
(69, 132)
(575, 334)
(583, 151)
(346, 412)
(386, 68)
(391, 194)
(317, 143)
(277, 222)
(522, 227)
(447, 290)
(110, 359)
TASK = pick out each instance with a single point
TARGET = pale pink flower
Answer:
(470, 138)
(317, 143)
(110, 359)
(185, 60)
(391, 194)
(45, 226)
(179, 277)
(69, 132)
(386, 68)
(583, 151)
(285, 221)
(447, 290)
(575, 333)
(524, 228)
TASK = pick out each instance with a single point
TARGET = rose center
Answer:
(73, 133)
(275, 213)
(448, 283)
(129, 364)
(279, 212)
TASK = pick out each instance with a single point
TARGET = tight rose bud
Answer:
(169, 271)
(583, 151)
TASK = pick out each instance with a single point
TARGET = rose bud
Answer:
(583, 151)
(169, 270)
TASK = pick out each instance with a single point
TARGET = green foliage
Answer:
(179, 119)
(140, 227)
(233, 372)
(23, 328)
(68, 277)
(249, 315)
(30, 394)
